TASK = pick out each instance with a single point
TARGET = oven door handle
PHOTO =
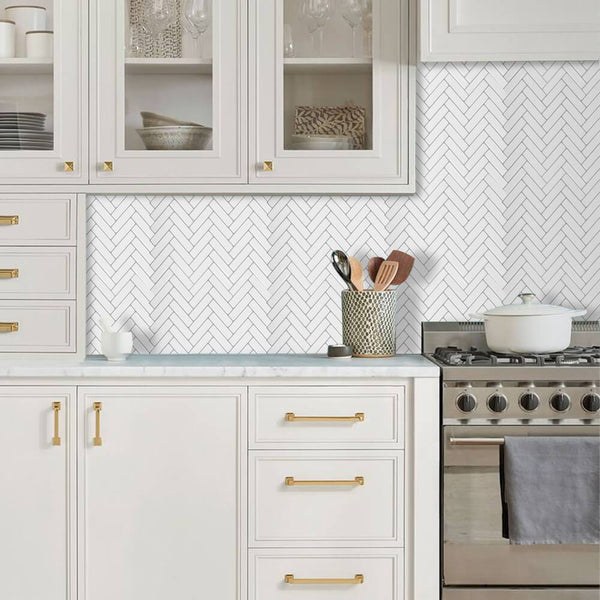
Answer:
(476, 441)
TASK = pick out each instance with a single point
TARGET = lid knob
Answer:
(527, 297)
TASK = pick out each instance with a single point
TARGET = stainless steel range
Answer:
(485, 397)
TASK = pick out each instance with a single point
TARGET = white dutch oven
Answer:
(528, 327)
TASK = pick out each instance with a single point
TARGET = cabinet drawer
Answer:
(338, 417)
(43, 326)
(37, 221)
(37, 273)
(381, 573)
(326, 498)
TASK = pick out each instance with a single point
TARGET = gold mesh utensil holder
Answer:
(368, 322)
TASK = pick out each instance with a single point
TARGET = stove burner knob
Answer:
(497, 403)
(466, 403)
(560, 402)
(529, 401)
(591, 402)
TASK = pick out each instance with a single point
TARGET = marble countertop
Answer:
(226, 365)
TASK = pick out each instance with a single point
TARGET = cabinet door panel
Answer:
(35, 526)
(334, 111)
(186, 85)
(43, 101)
(458, 30)
(163, 492)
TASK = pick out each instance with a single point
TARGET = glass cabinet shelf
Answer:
(327, 65)
(168, 66)
(26, 66)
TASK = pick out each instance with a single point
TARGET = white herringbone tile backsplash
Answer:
(508, 163)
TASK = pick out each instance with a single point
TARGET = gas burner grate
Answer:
(575, 356)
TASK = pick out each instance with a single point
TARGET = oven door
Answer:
(474, 551)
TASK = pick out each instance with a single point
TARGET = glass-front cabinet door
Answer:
(42, 100)
(168, 91)
(330, 102)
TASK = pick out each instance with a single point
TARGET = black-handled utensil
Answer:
(340, 263)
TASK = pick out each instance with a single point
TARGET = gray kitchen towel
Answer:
(551, 489)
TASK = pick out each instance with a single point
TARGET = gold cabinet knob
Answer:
(268, 165)
(107, 165)
(69, 166)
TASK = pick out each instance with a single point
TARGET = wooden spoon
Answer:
(356, 273)
(405, 265)
(373, 267)
(385, 275)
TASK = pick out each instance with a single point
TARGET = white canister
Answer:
(26, 18)
(39, 44)
(7, 39)
(117, 345)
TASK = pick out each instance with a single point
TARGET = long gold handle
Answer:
(290, 481)
(107, 165)
(357, 579)
(69, 166)
(9, 220)
(9, 273)
(97, 437)
(9, 327)
(56, 409)
(358, 417)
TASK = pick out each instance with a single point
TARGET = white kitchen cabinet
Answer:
(329, 84)
(50, 94)
(202, 82)
(37, 501)
(163, 497)
(511, 30)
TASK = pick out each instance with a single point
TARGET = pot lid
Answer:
(530, 308)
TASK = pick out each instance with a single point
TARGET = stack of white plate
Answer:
(24, 131)
(321, 142)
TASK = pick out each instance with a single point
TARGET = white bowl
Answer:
(180, 137)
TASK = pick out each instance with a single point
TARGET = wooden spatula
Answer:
(373, 267)
(405, 265)
(356, 273)
(385, 275)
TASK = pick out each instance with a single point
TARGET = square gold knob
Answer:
(69, 166)
(268, 165)
(107, 165)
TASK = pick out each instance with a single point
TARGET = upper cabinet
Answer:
(509, 30)
(168, 91)
(330, 93)
(43, 92)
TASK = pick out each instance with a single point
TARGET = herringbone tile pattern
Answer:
(508, 160)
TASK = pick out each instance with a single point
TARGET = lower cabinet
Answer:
(37, 498)
(162, 472)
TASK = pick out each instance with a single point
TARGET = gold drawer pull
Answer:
(97, 437)
(357, 579)
(9, 327)
(56, 409)
(358, 417)
(9, 273)
(290, 481)
(9, 220)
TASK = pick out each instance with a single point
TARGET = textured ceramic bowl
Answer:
(320, 142)
(183, 137)
(150, 119)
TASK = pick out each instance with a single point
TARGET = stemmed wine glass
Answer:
(316, 14)
(367, 23)
(197, 17)
(159, 15)
(352, 13)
